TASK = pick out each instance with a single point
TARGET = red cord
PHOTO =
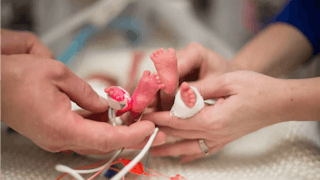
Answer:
(97, 164)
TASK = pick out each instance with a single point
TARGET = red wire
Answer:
(158, 173)
(97, 165)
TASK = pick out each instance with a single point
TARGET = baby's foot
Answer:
(115, 93)
(188, 95)
(145, 92)
(166, 65)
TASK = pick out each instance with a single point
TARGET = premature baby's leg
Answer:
(188, 95)
(145, 92)
(166, 65)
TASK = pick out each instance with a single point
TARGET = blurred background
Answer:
(101, 36)
(106, 32)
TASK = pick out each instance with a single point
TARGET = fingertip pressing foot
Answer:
(188, 95)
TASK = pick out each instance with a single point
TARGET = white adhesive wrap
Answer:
(180, 110)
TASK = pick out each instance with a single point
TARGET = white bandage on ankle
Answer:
(180, 110)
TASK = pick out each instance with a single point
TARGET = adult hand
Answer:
(195, 63)
(36, 102)
(22, 42)
(247, 102)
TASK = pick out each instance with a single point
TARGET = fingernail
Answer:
(104, 100)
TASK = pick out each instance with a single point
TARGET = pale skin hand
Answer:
(22, 42)
(35, 101)
(16, 42)
(251, 101)
(277, 50)
(196, 62)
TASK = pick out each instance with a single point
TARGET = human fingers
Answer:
(164, 118)
(190, 58)
(185, 147)
(185, 134)
(95, 152)
(188, 158)
(89, 151)
(105, 137)
(159, 140)
(213, 87)
(101, 117)
(23, 42)
(78, 90)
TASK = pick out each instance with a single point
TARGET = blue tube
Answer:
(133, 26)
(72, 50)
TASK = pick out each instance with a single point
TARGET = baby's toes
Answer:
(155, 54)
(160, 51)
(153, 75)
(192, 96)
(152, 57)
(190, 91)
(171, 51)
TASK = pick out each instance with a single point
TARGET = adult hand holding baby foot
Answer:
(239, 111)
(247, 102)
(36, 99)
(196, 62)
(194, 57)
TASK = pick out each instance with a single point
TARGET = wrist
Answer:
(234, 65)
(301, 99)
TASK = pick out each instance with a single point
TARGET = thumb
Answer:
(81, 92)
(213, 87)
(23, 42)
(190, 59)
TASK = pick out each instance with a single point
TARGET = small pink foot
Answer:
(166, 65)
(188, 95)
(145, 92)
(115, 93)
(121, 96)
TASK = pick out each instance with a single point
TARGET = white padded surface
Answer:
(286, 151)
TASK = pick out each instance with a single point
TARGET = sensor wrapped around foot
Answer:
(180, 110)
